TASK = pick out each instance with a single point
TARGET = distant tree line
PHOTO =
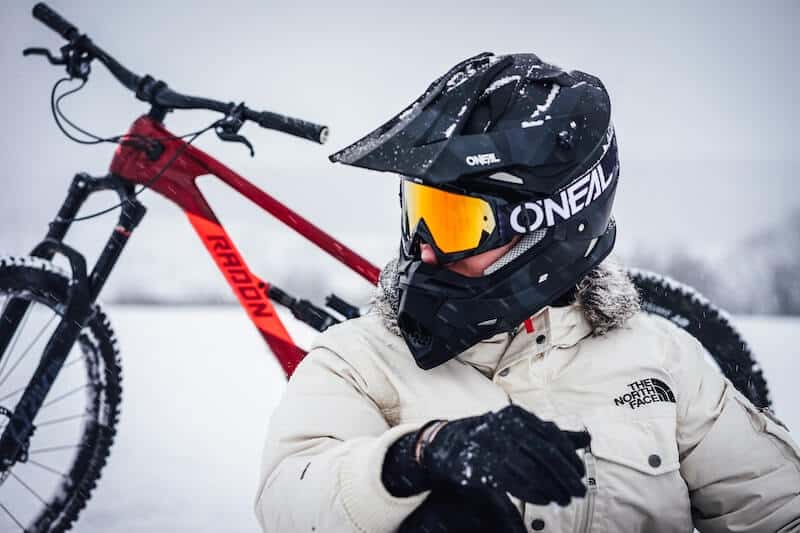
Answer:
(759, 275)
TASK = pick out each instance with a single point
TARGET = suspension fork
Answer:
(82, 292)
(131, 214)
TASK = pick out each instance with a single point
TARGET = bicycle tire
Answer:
(45, 283)
(691, 311)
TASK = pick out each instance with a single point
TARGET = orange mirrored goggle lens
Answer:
(456, 222)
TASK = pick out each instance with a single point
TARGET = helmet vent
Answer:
(527, 242)
(505, 177)
(591, 247)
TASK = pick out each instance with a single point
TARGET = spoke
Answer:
(19, 479)
(65, 395)
(70, 363)
(45, 467)
(55, 448)
(59, 420)
(14, 518)
(28, 349)
(10, 394)
(66, 365)
(17, 334)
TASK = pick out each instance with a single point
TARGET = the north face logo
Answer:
(644, 392)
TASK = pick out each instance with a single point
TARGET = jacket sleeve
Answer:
(321, 469)
(740, 464)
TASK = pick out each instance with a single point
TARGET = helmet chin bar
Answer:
(442, 313)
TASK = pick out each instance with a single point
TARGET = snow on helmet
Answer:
(498, 147)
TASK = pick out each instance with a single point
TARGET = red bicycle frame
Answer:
(178, 183)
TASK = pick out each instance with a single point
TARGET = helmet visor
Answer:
(456, 223)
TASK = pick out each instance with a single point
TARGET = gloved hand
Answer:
(511, 450)
(464, 510)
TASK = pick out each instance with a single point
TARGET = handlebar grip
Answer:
(54, 21)
(293, 126)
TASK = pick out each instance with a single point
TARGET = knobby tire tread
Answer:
(691, 311)
(50, 284)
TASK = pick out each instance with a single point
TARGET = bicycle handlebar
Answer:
(159, 94)
(54, 21)
(293, 126)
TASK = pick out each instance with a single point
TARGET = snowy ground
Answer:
(198, 389)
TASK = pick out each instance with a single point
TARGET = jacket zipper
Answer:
(591, 493)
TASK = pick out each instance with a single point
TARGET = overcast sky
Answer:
(704, 100)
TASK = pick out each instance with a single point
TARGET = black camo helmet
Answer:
(521, 131)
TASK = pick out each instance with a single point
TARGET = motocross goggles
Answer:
(455, 225)
(459, 224)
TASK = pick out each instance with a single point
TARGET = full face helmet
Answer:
(498, 147)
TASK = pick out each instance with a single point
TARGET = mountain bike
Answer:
(58, 417)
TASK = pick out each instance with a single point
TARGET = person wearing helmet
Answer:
(505, 379)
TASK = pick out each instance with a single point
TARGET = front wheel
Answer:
(52, 479)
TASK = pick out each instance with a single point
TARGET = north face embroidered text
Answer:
(644, 392)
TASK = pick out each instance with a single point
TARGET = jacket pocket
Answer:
(638, 482)
(647, 446)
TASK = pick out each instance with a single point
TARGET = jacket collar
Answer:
(568, 325)
(606, 299)
(562, 327)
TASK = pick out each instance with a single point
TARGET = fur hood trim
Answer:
(607, 295)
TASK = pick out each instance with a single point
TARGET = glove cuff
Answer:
(401, 474)
(425, 436)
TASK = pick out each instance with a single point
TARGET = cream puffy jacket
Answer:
(674, 445)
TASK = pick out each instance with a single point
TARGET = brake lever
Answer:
(45, 52)
(234, 137)
(73, 55)
(228, 128)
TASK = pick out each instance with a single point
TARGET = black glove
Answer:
(511, 450)
(464, 510)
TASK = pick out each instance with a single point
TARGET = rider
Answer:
(506, 364)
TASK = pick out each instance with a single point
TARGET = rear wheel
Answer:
(51, 481)
(689, 310)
